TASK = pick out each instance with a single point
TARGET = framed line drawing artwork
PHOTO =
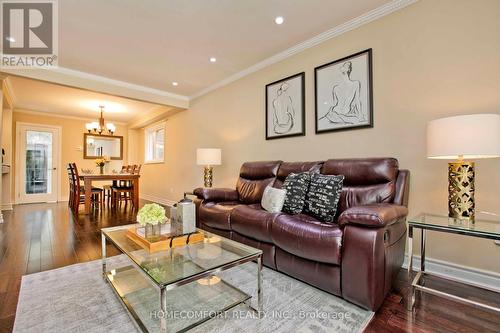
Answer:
(285, 107)
(344, 93)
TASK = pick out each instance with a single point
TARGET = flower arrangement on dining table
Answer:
(101, 162)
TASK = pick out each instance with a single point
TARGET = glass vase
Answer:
(101, 169)
(152, 232)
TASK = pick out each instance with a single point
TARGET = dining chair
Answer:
(69, 168)
(108, 188)
(78, 196)
(124, 191)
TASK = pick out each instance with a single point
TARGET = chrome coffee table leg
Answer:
(422, 251)
(163, 307)
(103, 254)
(259, 287)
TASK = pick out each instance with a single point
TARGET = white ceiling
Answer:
(152, 43)
(34, 95)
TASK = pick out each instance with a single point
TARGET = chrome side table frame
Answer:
(418, 284)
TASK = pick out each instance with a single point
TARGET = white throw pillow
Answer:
(273, 199)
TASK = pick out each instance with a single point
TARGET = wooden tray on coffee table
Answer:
(166, 241)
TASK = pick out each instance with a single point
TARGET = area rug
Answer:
(77, 299)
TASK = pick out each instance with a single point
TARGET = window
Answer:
(155, 143)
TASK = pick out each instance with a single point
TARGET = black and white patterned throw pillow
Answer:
(323, 196)
(296, 186)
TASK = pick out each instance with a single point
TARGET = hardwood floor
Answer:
(41, 237)
(436, 314)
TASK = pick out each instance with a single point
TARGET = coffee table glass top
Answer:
(173, 265)
(484, 225)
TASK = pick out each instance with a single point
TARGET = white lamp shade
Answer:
(208, 156)
(464, 137)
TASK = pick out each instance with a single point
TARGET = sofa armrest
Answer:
(373, 216)
(216, 194)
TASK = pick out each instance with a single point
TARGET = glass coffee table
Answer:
(484, 226)
(178, 289)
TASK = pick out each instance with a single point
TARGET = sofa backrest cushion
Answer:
(366, 180)
(287, 168)
(254, 177)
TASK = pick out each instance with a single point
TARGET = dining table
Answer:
(114, 177)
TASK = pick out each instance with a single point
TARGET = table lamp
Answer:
(463, 138)
(208, 157)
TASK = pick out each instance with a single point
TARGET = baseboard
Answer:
(474, 276)
(60, 199)
(148, 197)
(159, 200)
(7, 206)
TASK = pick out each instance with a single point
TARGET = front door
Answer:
(37, 161)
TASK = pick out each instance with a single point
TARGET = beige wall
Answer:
(430, 60)
(72, 142)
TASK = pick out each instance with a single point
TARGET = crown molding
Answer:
(101, 84)
(124, 84)
(73, 78)
(338, 30)
(58, 115)
(9, 93)
(160, 113)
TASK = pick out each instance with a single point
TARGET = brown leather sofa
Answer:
(357, 257)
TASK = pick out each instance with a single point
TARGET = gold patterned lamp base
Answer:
(208, 176)
(461, 190)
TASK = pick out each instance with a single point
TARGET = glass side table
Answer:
(480, 228)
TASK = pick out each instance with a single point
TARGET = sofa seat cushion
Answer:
(216, 215)
(306, 237)
(253, 221)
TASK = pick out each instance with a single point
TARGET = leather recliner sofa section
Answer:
(357, 257)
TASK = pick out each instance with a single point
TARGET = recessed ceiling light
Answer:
(279, 20)
(11, 39)
(175, 83)
(213, 59)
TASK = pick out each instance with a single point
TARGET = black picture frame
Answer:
(300, 129)
(369, 94)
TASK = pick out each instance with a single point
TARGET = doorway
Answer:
(37, 163)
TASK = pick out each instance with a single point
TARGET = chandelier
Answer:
(100, 127)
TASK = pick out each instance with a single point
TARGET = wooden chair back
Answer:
(137, 170)
(69, 168)
(76, 180)
(70, 176)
